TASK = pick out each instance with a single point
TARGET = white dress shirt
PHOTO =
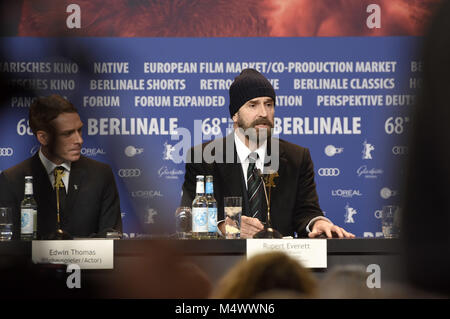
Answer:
(243, 152)
(50, 167)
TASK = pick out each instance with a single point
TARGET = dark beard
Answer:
(256, 135)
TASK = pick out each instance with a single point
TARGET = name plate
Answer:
(311, 253)
(88, 254)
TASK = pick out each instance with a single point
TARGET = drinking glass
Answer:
(390, 218)
(6, 225)
(183, 222)
(233, 211)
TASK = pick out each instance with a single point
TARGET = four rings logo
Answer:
(329, 172)
(6, 151)
(129, 172)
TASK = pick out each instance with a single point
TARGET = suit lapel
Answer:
(41, 179)
(231, 173)
(45, 198)
(282, 178)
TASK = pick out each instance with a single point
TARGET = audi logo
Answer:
(6, 151)
(329, 172)
(129, 172)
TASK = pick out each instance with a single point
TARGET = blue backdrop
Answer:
(347, 99)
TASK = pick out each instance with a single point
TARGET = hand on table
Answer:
(250, 226)
(323, 226)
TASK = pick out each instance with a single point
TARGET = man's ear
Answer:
(235, 117)
(42, 137)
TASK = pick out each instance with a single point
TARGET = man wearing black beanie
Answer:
(294, 204)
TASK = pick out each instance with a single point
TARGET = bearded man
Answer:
(234, 162)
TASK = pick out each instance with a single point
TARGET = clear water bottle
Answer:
(200, 210)
(212, 207)
(28, 212)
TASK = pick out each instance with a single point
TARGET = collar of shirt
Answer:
(50, 167)
(243, 152)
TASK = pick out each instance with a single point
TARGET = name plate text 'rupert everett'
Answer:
(311, 253)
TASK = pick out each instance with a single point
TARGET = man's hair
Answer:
(45, 109)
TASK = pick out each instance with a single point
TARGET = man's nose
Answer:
(262, 111)
(78, 138)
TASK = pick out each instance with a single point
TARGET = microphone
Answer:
(108, 233)
(258, 173)
(59, 234)
(268, 231)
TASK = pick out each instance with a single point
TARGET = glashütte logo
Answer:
(328, 172)
(92, 151)
(349, 213)
(367, 150)
(129, 172)
(386, 193)
(6, 151)
(368, 173)
(132, 151)
(345, 193)
(331, 150)
(169, 174)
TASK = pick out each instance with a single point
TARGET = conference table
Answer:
(216, 256)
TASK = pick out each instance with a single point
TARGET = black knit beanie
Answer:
(246, 86)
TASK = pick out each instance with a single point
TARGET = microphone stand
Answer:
(59, 234)
(268, 231)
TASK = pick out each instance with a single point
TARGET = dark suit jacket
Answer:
(92, 203)
(294, 200)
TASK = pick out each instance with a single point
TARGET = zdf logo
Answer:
(6, 151)
(129, 172)
(331, 150)
(329, 172)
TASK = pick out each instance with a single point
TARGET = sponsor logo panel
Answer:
(329, 172)
(331, 150)
(6, 151)
(129, 172)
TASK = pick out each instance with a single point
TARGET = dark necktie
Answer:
(59, 173)
(254, 188)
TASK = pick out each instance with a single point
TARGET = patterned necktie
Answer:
(59, 172)
(254, 188)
